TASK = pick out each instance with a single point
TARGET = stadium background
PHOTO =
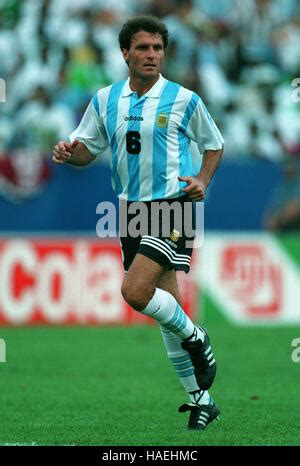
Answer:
(111, 383)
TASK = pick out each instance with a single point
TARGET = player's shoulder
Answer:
(104, 91)
(184, 93)
(101, 97)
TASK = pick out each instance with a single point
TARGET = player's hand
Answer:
(63, 151)
(195, 188)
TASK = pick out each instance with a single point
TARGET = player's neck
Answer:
(142, 86)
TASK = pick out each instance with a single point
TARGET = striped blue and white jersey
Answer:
(149, 137)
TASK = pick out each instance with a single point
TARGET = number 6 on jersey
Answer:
(133, 145)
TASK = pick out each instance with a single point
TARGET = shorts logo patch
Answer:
(162, 120)
(175, 235)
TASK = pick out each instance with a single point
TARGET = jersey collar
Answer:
(154, 91)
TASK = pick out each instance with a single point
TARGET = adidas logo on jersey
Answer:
(134, 118)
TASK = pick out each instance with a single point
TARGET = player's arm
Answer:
(198, 184)
(75, 153)
(203, 130)
(87, 141)
(210, 162)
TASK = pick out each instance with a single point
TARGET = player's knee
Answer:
(135, 296)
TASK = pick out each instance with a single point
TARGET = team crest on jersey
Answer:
(162, 120)
(175, 235)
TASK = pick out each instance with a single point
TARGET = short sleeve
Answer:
(201, 128)
(91, 131)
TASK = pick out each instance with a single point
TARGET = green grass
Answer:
(290, 242)
(115, 386)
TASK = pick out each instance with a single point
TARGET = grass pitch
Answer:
(115, 386)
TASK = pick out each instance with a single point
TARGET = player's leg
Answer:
(140, 290)
(139, 287)
(179, 357)
(202, 407)
(144, 277)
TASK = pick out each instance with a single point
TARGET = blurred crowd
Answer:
(240, 55)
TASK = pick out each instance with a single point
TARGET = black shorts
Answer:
(166, 236)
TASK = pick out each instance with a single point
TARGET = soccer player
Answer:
(149, 123)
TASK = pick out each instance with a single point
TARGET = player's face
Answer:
(145, 55)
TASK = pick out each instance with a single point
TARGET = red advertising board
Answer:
(252, 278)
(68, 281)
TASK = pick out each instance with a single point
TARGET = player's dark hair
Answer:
(142, 23)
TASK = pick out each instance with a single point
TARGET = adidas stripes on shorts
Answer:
(162, 230)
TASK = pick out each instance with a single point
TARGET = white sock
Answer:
(183, 366)
(179, 359)
(164, 308)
